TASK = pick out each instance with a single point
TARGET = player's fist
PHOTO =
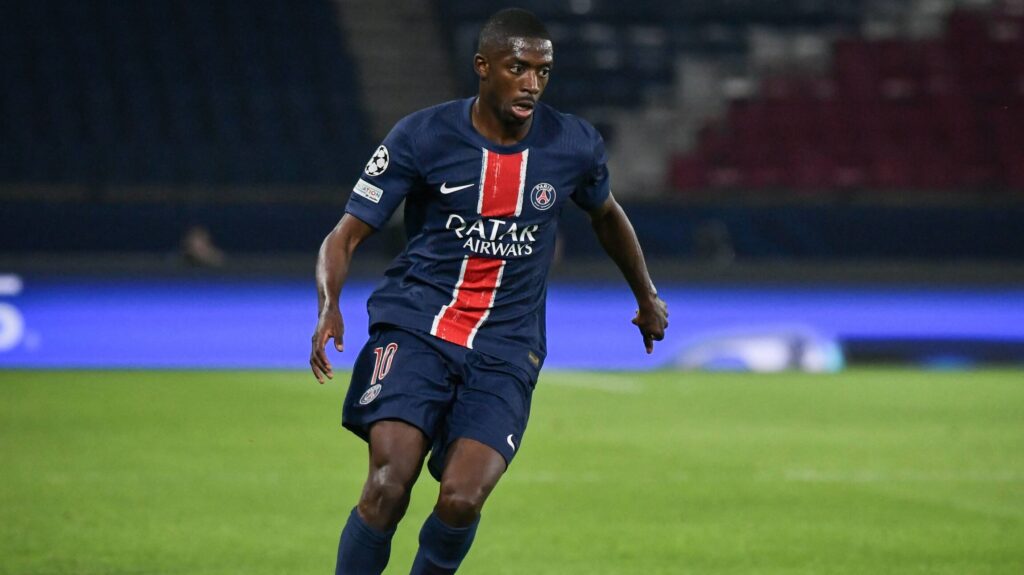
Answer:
(652, 321)
(329, 325)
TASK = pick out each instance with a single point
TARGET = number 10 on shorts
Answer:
(382, 362)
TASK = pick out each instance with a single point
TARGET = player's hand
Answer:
(328, 325)
(652, 320)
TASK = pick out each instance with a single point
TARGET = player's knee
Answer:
(385, 496)
(459, 506)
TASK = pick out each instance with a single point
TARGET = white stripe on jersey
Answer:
(455, 297)
(490, 304)
(522, 182)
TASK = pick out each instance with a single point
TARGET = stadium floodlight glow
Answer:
(10, 284)
(12, 324)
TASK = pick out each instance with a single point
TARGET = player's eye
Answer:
(516, 69)
(545, 72)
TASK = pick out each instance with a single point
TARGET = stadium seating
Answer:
(938, 114)
(615, 54)
(241, 93)
(170, 92)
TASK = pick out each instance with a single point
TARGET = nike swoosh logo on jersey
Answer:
(446, 190)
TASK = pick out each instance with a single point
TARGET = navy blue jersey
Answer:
(481, 221)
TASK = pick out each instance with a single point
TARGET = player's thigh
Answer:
(396, 450)
(470, 474)
(472, 469)
(397, 376)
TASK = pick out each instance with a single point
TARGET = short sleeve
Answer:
(388, 177)
(594, 186)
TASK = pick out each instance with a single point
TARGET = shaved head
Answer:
(507, 24)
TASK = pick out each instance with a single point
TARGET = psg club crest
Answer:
(370, 394)
(378, 163)
(542, 196)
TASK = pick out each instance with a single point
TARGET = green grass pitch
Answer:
(868, 471)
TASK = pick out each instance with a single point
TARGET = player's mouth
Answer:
(522, 109)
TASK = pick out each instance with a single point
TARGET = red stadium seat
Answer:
(688, 172)
(903, 114)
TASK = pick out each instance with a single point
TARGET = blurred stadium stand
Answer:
(177, 93)
(618, 54)
(740, 131)
(941, 113)
(820, 173)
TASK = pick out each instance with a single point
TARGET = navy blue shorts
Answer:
(445, 390)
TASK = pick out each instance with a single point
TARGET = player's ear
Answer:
(481, 66)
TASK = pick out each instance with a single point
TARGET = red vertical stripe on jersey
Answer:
(474, 296)
(502, 189)
(501, 195)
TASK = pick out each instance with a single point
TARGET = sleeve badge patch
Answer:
(368, 191)
(378, 163)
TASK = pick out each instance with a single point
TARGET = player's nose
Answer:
(531, 83)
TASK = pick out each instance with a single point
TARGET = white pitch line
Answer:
(876, 476)
(554, 477)
(611, 383)
(593, 477)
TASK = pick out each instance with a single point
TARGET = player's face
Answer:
(515, 76)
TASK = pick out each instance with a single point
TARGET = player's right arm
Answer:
(384, 183)
(332, 266)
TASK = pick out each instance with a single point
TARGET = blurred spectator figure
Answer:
(198, 249)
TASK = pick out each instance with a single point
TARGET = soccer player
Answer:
(457, 326)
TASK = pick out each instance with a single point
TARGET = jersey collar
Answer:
(466, 124)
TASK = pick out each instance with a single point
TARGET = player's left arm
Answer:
(618, 239)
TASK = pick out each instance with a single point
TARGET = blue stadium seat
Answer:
(170, 91)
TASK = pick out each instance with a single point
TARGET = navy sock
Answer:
(363, 550)
(442, 547)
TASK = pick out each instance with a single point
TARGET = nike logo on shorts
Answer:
(446, 190)
(510, 444)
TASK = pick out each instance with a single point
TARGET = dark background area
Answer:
(833, 136)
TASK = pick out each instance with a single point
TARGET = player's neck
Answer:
(489, 125)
